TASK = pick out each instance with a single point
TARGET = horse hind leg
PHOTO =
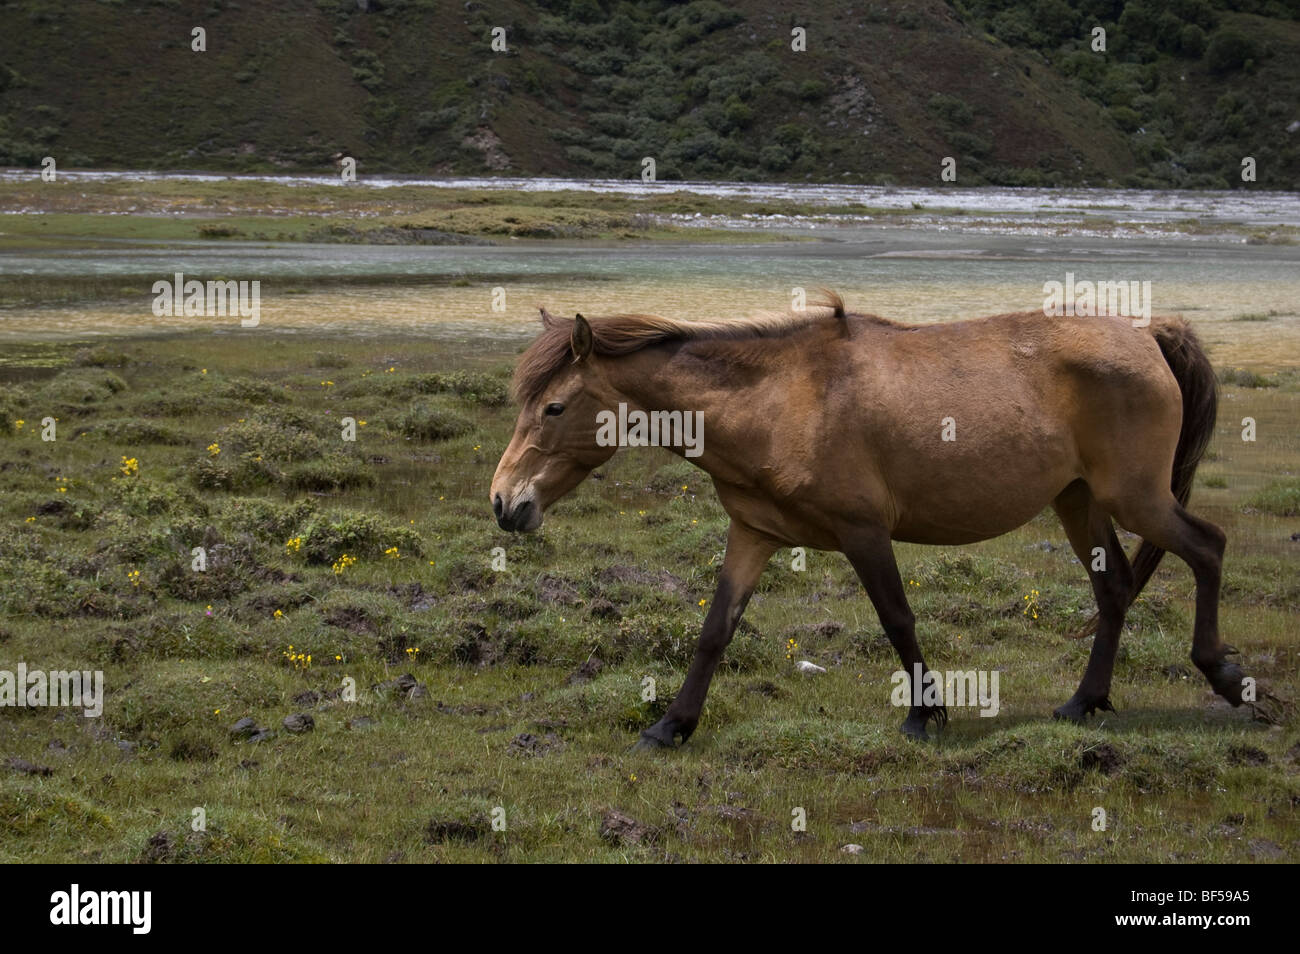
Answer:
(1164, 523)
(1089, 529)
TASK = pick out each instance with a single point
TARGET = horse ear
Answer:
(547, 319)
(582, 340)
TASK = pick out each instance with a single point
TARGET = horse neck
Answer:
(643, 380)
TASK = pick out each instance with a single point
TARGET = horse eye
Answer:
(552, 410)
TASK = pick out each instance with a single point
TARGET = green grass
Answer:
(530, 678)
(1280, 498)
(1246, 378)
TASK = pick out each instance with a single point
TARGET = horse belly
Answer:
(964, 527)
(964, 507)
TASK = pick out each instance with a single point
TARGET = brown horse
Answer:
(844, 432)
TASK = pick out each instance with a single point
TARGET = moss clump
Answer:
(328, 536)
(337, 471)
(131, 431)
(79, 387)
(426, 422)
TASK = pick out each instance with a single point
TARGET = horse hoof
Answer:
(1077, 711)
(1068, 713)
(915, 731)
(1228, 680)
(655, 738)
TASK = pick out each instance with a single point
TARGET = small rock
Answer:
(852, 849)
(811, 668)
(244, 728)
(299, 722)
(308, 697)
(405, 684)
(261, 735)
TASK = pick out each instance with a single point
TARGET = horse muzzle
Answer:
(518, 517)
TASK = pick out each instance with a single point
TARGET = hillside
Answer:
(883, 92)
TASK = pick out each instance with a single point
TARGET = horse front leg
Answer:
(747, 555)
(872, 554)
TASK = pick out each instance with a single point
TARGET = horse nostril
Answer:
(497, 506)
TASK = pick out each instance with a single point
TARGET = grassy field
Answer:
(72, 213)
(519, 690)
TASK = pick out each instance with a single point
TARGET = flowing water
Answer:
(936, 267)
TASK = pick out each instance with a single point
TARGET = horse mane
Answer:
(623, 334)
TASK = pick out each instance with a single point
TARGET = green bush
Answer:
(812, 90)
(235, 472)
(1229, 50)
(266, 519)
(336, 471)
(274, 438)
(1191, 42)
(473, 386)
(328, 536)
(249, 391)
(140, 496)
(428, 423)
(80, 386)
(950, 110)
(131, 431)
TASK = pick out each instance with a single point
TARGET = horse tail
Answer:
(1199, 387)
